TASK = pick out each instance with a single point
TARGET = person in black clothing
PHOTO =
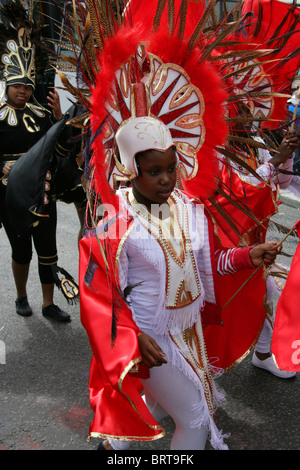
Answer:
(22, 124)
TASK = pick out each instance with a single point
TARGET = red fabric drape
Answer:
(242, 319)
(286, 333)
(241, 307)
(114, 392)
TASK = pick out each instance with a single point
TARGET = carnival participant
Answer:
(260, 159)
(22, 124)
(259, 196)
(166, 259)
(151, 277)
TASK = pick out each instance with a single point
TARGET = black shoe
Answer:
(22, 307)
(101, 446)
(55, 313)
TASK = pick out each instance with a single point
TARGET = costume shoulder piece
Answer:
(9, 114)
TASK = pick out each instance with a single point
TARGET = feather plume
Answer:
(118, 49)
(69, 87)
(247, 141)
(174, 51)
(95, 21)
(201, 25)
(220, 209)
(258, 20)
(159, 11)
(228, 30)
(238, 204)
(171, 16)
(182, 19)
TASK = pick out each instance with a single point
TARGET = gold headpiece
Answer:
(22, 55)
(18, 61)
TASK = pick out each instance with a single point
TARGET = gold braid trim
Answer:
(201, 24)
(127, 369)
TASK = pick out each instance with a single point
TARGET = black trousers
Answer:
(43, 237)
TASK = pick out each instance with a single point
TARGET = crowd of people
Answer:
(150, 270)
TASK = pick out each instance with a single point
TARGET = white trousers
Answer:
(263, 344)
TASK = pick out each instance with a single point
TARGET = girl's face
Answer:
(157, 177)
(18, 95)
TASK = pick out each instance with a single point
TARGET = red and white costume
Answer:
(178, 273)
(173, 281)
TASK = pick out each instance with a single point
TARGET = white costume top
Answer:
(171, 273)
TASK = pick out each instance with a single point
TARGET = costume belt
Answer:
(8, 158)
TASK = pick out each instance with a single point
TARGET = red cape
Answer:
(114, 392)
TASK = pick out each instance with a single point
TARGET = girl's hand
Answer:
(151, 353)
(264, 252)
(289, 144)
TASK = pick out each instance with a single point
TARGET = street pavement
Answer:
(44, 369)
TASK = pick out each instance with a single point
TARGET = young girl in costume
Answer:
(150, 270)
(159, 249)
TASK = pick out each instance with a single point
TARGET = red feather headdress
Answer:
(182, 90)
(190, 66)
(177, 90)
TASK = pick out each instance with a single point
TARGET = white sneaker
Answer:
(270, 365)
